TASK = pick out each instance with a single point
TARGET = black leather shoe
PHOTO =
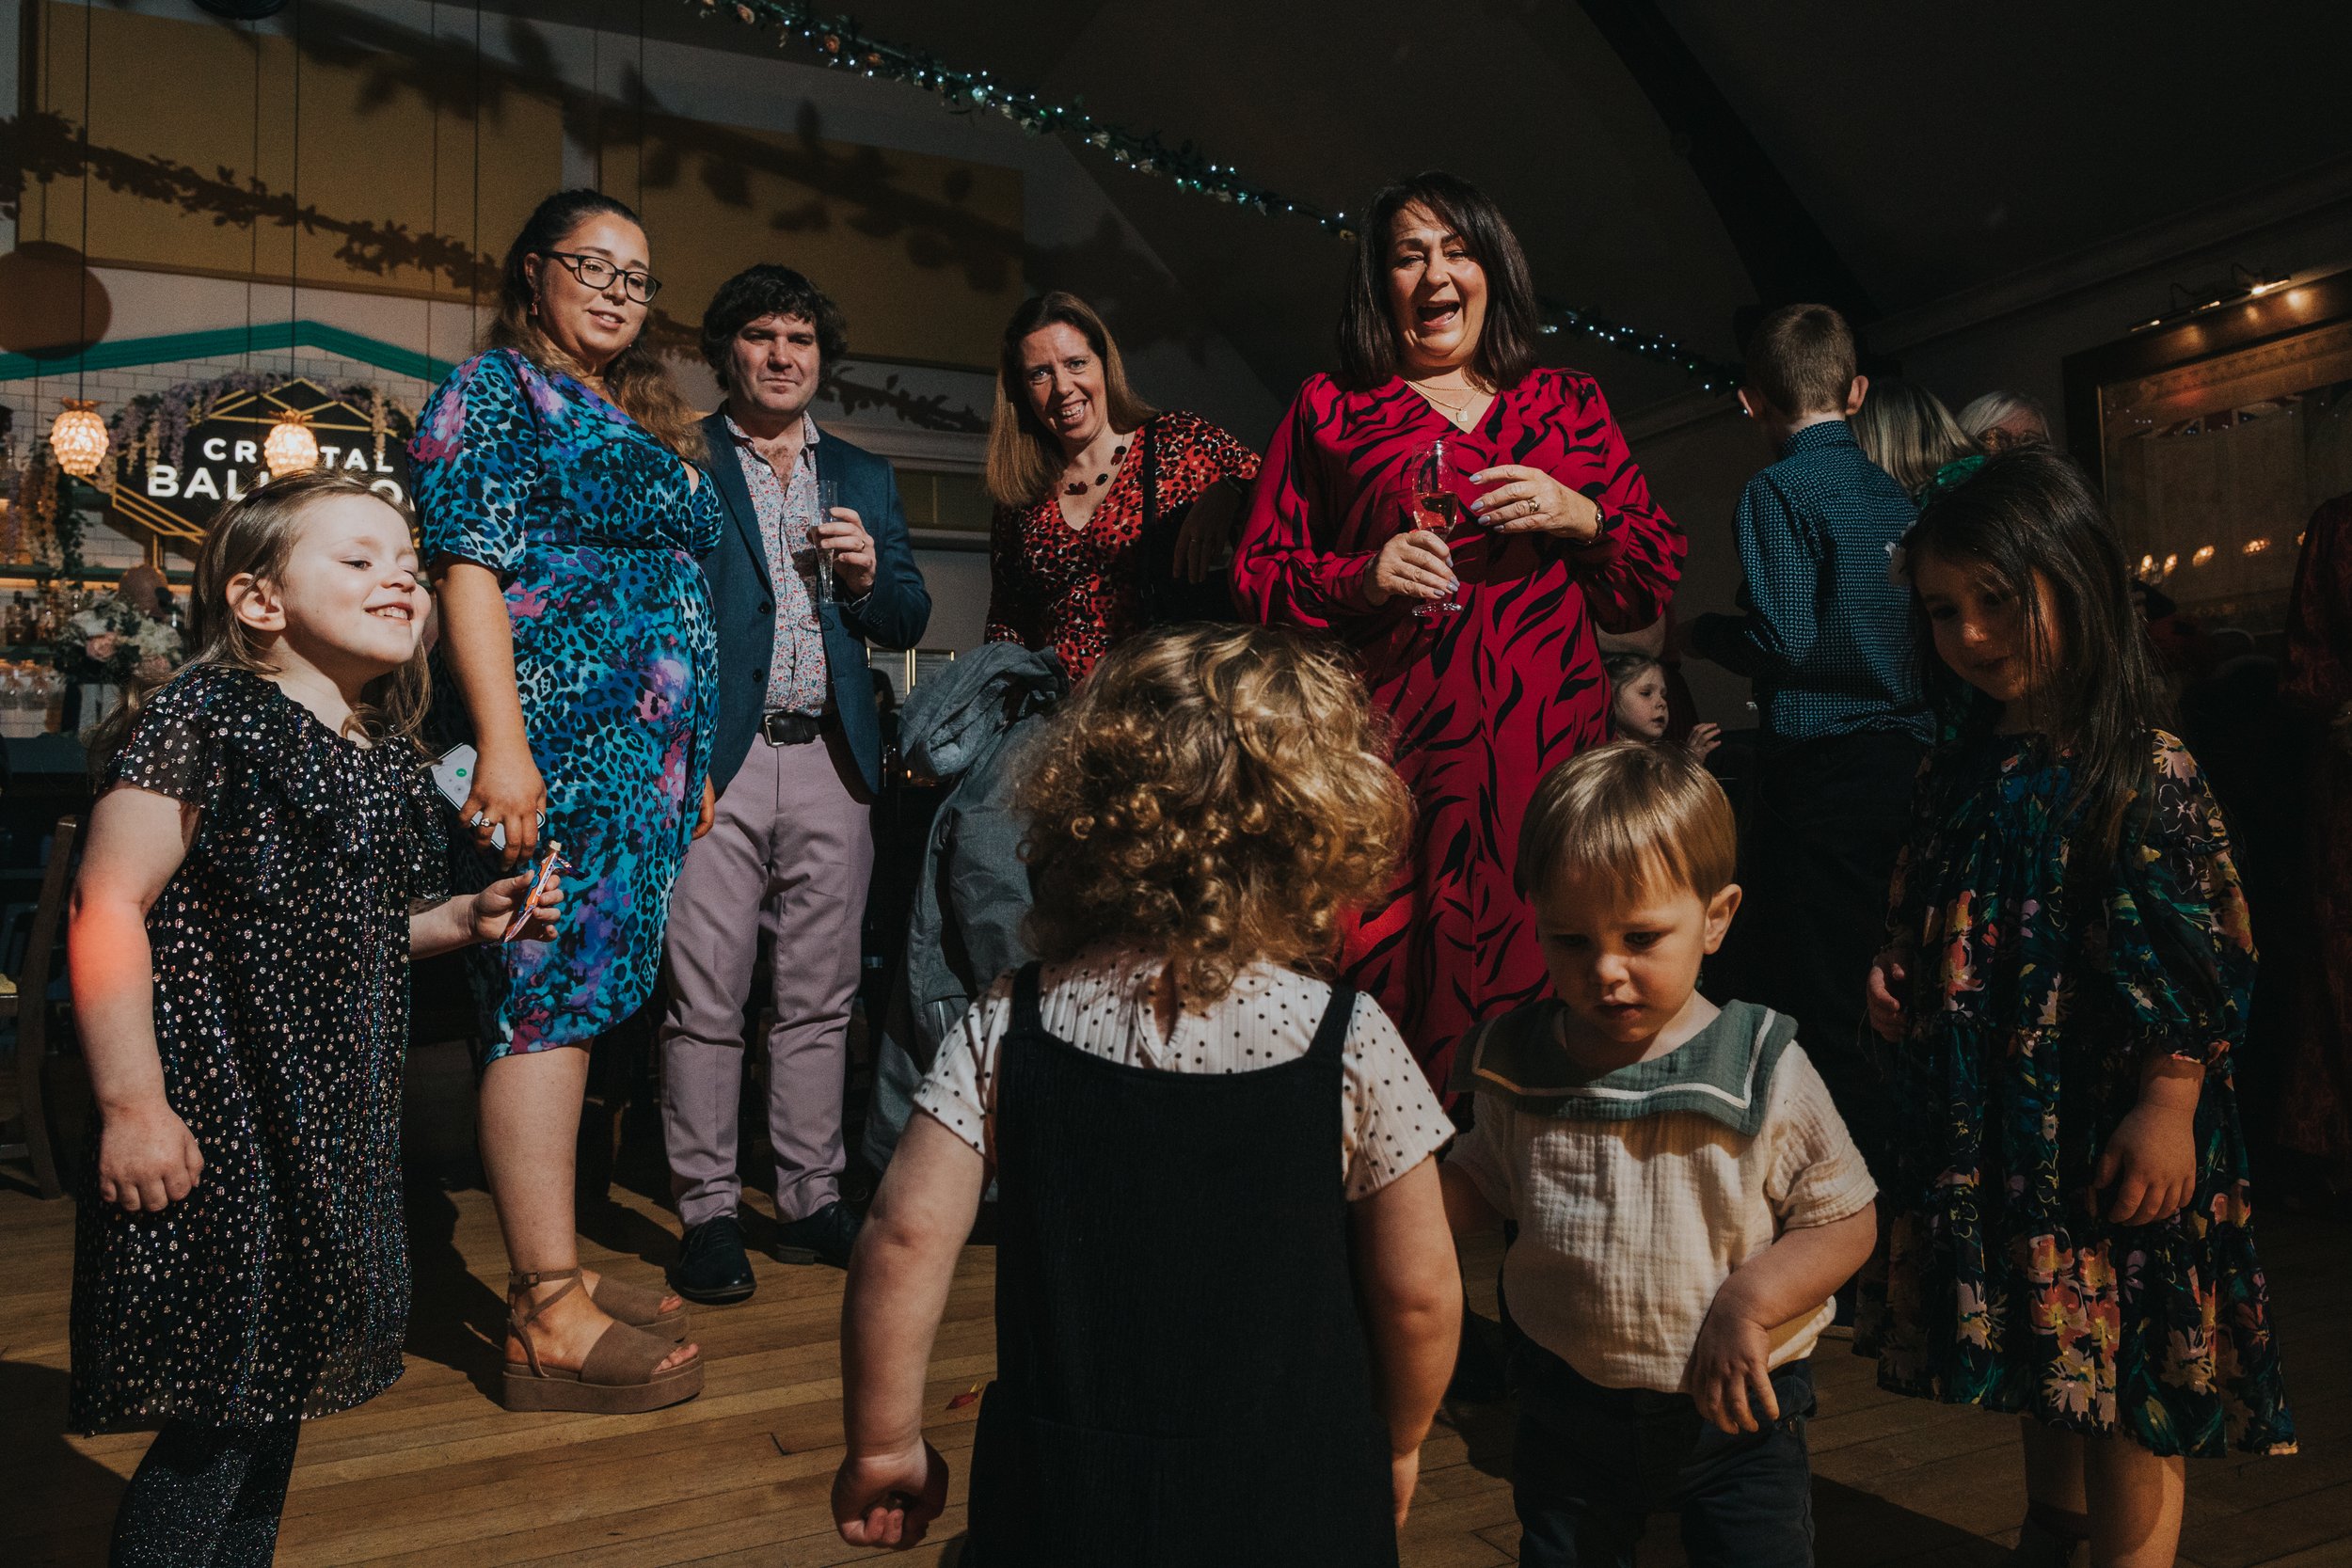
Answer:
(823, 1237)
(711, 1267)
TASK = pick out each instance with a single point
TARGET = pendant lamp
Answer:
(79, 437)
(292, 449)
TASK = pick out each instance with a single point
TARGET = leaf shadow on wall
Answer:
(859, 187)
(443, 74)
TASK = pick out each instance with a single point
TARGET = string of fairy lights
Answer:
(839, 42)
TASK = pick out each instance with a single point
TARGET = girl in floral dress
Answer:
(2068, 978)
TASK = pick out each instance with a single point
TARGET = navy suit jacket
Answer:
(744, 602)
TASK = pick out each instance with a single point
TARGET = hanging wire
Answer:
(253, 176)
(294, 248)
(473, 257)
(433, 209)
(643, 93)
(81, 273)
(595, 86)
(47, 43)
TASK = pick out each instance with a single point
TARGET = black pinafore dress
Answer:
(1182, 1379)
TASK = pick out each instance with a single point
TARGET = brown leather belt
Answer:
(792, 729)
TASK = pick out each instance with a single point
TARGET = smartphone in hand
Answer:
(452, 774)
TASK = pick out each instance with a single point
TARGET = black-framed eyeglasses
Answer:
(598, 273)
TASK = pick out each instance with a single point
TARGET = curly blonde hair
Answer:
(1219, 794)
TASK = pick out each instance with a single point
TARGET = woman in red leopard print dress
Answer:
(1437, 340)
(1068, 453)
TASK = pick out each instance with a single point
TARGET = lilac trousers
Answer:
(786, 860)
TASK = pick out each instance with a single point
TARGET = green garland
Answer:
(837, 41)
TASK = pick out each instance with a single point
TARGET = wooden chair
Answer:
(30, 1008)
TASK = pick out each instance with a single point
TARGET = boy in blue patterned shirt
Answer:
(1825, 636)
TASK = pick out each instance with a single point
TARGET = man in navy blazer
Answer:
(795, 770)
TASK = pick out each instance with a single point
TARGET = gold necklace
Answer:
(1457, 412)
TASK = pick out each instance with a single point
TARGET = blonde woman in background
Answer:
(1906, 430)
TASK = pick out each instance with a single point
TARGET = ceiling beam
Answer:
(2302, 203)
(1783, 250)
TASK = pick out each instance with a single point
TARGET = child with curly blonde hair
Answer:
(1226, 1298)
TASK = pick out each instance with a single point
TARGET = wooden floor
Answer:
(434, 1474)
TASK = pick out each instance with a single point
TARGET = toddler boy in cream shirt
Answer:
(1688, 1199)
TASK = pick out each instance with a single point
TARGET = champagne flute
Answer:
(828, 496)
(1437, 510)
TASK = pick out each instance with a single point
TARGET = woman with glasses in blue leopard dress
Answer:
(563, 517)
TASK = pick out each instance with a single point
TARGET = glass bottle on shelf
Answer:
(22, 709)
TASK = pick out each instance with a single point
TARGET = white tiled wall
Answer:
(35, 404)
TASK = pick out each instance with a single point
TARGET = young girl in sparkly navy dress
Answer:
(259, 868)
(2067, 984)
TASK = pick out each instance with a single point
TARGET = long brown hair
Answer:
(1216, 795)
(1024, 457)
(636, 380)
(1370, 351)
(2028, 522)
(256, 533)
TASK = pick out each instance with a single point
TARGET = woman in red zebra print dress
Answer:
(1436, 340)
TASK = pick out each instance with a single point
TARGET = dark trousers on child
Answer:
(1819, 853)
(206, 1497)
(1592, 1464)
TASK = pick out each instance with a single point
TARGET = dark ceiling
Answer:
(1936, 146)
(1951, 144)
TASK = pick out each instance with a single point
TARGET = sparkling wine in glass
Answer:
(1437, 510)
(828, 496)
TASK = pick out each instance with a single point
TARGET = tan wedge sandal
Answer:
(640, 1307)
(618, 1378)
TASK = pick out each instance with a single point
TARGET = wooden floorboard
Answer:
(434, 1474)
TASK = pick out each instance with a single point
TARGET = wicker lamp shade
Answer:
(291, 447)
(79, 437)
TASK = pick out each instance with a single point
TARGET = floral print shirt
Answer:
(797, 681)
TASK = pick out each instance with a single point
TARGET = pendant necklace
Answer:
(1457, 412)
(1079, 487)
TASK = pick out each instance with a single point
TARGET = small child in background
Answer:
(2069, 1235)
(1226, 1301)
(1640, 709)
(1687, 1198)
(262, 866)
